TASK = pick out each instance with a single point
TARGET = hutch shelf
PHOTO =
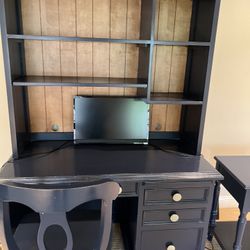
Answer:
(157, 50)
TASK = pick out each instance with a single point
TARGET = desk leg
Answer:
(240, 230)
(214, 212)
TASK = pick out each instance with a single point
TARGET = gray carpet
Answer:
(212, 246)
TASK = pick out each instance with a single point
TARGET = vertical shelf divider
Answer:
(151, 49)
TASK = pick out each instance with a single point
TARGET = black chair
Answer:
(52, 201)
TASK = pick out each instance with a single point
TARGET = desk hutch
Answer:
(158, 50)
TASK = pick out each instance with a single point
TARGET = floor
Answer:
(213, 246)
(226, 215)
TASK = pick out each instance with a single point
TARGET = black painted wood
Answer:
(80, 81)
(26, 233)
(162, 217)
(123, 162)
(215, 211)
(172, 98)
(57, 199)
(238, 166)
(235, 170)
(180, 239)
(79, 39)
(163, 194)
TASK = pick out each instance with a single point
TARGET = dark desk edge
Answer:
(180, 176)
(220, 160)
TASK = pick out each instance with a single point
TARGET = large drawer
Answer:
(183, 194)
(181, 239)
(170, 216)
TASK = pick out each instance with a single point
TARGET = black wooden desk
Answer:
(171, 193)
(236, 172)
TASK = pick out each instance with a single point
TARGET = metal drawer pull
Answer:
(177, 197)
(174, 218)
(170, 247)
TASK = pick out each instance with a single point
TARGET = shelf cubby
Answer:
(172, 98)
(184, 20)
(100, 20)
(179, 74)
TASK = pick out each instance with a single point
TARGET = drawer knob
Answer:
(170, 247)
(174, 218)
(177, 197)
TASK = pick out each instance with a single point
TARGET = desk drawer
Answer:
(170, 216)
(168, 239)
(175, 195)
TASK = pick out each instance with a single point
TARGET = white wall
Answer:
(5, 144)
(227, 126)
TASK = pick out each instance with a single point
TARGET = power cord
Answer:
(42, 154)
(172, 151)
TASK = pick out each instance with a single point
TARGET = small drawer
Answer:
(175, 195)
(159, 217)
(172, 239)
(128, 188)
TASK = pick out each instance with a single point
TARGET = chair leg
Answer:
(6, 236)
(105, 226)
(54, 219)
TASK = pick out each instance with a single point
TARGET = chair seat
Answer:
(84, 235)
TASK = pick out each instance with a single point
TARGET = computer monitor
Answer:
(110, 120)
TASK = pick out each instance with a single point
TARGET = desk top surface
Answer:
(118, 162)
(238, 167)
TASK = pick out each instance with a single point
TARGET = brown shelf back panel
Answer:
(165, 118)
(184, 20)
(53, 105)
(169, 66)
(173, 20)
(119, 19)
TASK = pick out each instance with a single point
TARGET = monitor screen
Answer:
(110, 120)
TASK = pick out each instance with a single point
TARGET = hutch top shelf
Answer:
(157, 50)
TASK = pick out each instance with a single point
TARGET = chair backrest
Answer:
(52, 201)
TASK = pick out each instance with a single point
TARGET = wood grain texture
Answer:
(52, 67)
(172, 23)
(131, 66)
(105, 19)
(52, 63)
(101, 51)
(173, 118)
(117, 51)
(182, 20)
(68, 68)
(84, 28)
(131, 51)
(67, 27)
(158, 117)
(31, 22)
(36, 95)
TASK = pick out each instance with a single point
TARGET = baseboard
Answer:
(227, 201)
